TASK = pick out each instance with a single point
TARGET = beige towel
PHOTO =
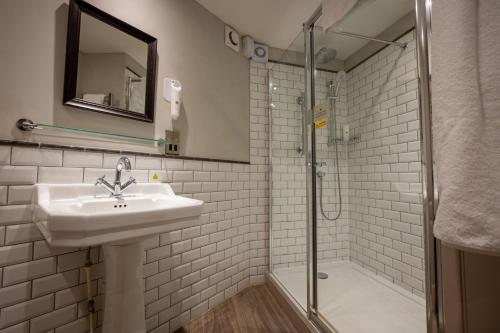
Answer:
(465, 60)
(334, 11)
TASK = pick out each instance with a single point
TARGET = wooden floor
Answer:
(253, 310)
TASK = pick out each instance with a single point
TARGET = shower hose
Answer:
(338, 172)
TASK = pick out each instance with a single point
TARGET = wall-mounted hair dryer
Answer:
(172, 92)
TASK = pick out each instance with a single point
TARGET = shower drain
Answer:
(322, 275)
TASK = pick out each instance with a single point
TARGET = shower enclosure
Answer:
(347, 239)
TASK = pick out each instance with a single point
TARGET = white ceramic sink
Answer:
(81, 215)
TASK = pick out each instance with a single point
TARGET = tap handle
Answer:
(129, 182)
(99, 180)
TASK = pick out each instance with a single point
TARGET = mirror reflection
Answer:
(111, 66)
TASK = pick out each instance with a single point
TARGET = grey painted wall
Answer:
(215, 115)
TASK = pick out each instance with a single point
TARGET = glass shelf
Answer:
(28, 125)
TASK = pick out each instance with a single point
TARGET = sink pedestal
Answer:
(124, 294)
(83, 215)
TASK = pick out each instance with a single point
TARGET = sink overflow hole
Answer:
(120, 206)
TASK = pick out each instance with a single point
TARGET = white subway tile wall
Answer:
(3, 195)
(333, 234)
(186, 272)
(288, 177)
(19, 195)
(386, 233)
(5, 153)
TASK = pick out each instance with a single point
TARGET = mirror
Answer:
(110, 65)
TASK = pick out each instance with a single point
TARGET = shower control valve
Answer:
(321, 168)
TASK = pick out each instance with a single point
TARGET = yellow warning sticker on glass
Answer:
(321, 112)
(321, 123)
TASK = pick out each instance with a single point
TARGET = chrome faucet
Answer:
(116, 189)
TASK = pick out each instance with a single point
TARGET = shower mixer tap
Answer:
(320, 172)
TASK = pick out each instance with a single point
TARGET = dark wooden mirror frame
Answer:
(76, 7)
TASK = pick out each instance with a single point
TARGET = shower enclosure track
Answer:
(350, 34)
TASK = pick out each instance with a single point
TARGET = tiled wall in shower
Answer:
(386, 233)
(288, 177)
(381, 223)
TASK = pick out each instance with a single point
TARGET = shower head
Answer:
(340, 78)
(325, 55)
(338, 81)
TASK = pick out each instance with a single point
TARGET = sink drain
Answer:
(322, 275)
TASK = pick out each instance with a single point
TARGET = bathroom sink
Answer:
(82, 215)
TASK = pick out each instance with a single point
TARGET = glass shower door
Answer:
(288, 255)
(364, 182)
(332, 139)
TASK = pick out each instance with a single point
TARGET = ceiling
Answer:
(279, 22)
(272, 22)
(368, 18)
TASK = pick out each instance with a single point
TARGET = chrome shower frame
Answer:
(433, 286)
(435, 322)
(309, 145)
(433, 269)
